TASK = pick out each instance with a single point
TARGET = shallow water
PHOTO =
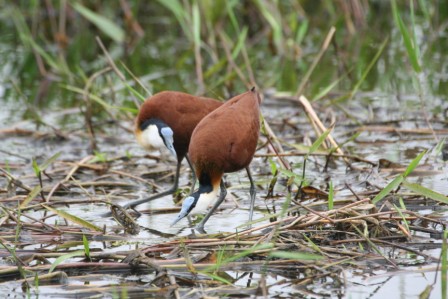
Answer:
(233, 214)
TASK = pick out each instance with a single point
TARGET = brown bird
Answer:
(224, 141)
(167, 119)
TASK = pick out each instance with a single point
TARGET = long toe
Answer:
(200, 228)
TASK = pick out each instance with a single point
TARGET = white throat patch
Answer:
(150, 138)
(205, 200)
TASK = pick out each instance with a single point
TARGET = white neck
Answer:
(205, 200)
(150, 138)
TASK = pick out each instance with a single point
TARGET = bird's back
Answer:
(180, 111)
(226, 139)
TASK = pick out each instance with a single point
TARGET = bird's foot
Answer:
(138, 214)
(133, 208)
(200, 228)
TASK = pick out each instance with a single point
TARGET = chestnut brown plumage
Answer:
(224, 141)
(167, 119)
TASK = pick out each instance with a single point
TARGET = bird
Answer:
(224, 141)
(167, 120)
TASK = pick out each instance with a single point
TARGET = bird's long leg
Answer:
(133, 204)
(252, 196)
(193, 174)
(222, 196)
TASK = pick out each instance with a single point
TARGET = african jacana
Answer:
(224, 141)
(167, 119)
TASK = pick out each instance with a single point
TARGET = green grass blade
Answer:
(426, 293)
(248, 252)
(391, 186)
(369, 67)
(408, 43)
(104, 24)
(290, 174)
(49, 161)
(47, 57)
(419, 189)
(179, 12)
(402, 205)
(99, 100)
(36, 281)
(240, 43)
(273, 166)
(276, 26)
(300, 256)
(414, 36)
(301, 32)
(92, 96)
(438, 148)
(444, 268)
(319, 141)
(36, 190)
(85, 242)
(413, 164)
(331, 196)
(74, 219)
(312, 244)
(36, 167)
(20, 24)
(18, 262)
(134, 92)
(323, 92)
(340, 145)
(229, 6)
(423, 5)
(216, 277)
(28, 41)
(65, 257)
(239, 255)
(403, 218)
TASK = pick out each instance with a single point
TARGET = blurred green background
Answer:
(381, 50)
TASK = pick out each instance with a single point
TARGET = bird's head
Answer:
(187, 206)
(153, 133)
(199, 201)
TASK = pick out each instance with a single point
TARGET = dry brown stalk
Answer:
(321, 215)
(232, 62)
(390, 129)
(88, 104)
(249, 231)
(292, 154)
(68, 176)
(131, 20)
(315, 119)
(110, 60)
(16, 181)
(322, 50)
(278, 148)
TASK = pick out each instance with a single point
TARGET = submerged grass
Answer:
(395, 183)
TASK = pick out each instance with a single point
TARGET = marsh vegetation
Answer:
(350, 167)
